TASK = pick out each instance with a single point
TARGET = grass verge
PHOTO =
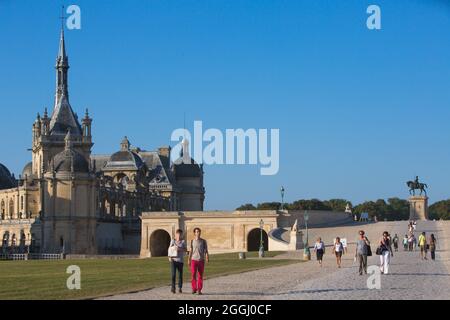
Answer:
(46, 280)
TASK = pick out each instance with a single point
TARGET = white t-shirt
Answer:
(319, 245)
(338, 247)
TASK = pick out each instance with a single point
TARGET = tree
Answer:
(398, 209)
(246, 207)
(440, 210)
(269, 206)
(393, 209)
(368, 206)
(313, 204)
(337, 204)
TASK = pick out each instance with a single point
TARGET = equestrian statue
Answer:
(416, 185)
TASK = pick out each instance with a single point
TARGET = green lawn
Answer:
(31, 280)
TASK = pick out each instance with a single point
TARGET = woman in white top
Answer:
(319, 249)
(338, 250)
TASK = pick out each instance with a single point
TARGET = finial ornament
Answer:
(68, 140)
(62, 17)
(125, 144)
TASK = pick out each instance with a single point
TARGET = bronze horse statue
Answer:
(414, 185)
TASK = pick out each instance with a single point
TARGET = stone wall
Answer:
(227, 231)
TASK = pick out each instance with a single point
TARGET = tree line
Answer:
(391, 210)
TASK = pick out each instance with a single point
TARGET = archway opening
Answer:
(254, 240)
(159, 243)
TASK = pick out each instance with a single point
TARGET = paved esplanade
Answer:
(410, 278)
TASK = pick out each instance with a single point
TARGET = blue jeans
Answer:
(177, 267)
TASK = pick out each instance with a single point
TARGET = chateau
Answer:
(68, 200)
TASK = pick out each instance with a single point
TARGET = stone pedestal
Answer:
(296, 242)
(418, 208)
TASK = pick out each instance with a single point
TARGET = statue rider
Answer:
(416, 182)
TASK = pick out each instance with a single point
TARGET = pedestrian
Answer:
(319, 249)
(410, 227)
(405, 243)
(395, 242)
(177, 252)
(414, 225)
(423, 246)
(385, 251)
(410, 242)
(362, 250)
(338, 251)
(198, 255)
(433, 247)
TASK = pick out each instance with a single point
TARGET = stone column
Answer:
(418, 208)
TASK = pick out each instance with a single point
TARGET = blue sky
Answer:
(359, 111)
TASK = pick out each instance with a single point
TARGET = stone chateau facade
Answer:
(68, 200)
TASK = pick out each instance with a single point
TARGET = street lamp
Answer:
(282, 198)
(261, 243)
(306, 252)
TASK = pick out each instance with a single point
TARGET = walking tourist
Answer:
(338, 251)
(319, 249)
(395, 242)
(433, 247)
(410, 227)
(177, 252)
(405, 243)
(362, 250)
(412, 241)
(198, 254)
(385, 251)
(423, 246)
(414, 225)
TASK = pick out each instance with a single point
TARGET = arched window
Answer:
(5, 242)
(11, 209)
(107, 207)
(3, 210)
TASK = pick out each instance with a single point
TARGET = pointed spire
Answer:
(62, 45)
(62, 66)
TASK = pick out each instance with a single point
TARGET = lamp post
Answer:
(282, 198)
(261, 243)
(306, 252)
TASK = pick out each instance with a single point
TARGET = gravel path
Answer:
(410, 278)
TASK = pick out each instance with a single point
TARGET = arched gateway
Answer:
(254, 240)
(159, 243)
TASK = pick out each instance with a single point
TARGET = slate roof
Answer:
(63, 119)
(7, 181)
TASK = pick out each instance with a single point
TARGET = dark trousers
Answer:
(433, 255)
(177, 267)
(362, 258)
